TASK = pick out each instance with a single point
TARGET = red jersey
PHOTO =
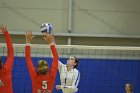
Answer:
(42, 83)
(6, 70)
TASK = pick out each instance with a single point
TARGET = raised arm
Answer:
(50, 39)
(10, 52)
(60, 64)
(55, 59)
(29, 62)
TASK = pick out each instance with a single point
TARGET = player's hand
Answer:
(49, 38)
(3, 28)
(29, 36)
(58, 87)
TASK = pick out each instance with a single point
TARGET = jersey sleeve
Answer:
(60, 64)
(55, 60)
(29, 62)
(10, 53)
(75, 82)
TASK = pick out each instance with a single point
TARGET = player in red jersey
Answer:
(42, 79)
(6, 69)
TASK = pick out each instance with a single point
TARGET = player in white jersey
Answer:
(69, 75)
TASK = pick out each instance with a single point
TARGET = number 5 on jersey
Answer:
(44, 85)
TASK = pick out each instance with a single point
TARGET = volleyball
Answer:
(46, 28)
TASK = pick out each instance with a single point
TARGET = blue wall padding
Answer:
(97, 75)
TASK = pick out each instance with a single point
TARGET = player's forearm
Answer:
(28, 56)
(73, 88)
(10, 53)
(54, 52)
(65, 86)
(55, 58)
(27, 53)
(59, 65)
(28, 59)
(9, 44)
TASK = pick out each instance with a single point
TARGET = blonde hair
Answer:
(42, 67)
(42, 63)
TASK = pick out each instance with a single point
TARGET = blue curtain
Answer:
(97, 75)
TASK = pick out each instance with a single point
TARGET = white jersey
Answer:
(69, 79)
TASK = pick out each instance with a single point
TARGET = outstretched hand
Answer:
(3, 28)
(58, 87)
(29, 36)
(49, 38)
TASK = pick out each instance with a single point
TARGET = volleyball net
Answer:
(103, 69)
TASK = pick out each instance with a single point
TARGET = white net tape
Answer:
(81, 51)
